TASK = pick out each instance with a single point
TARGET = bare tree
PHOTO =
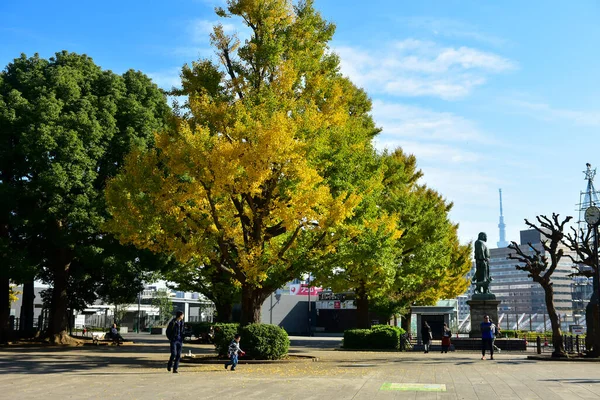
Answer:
(541, 265)
(581, 243)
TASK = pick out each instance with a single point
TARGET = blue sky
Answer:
(487, 95)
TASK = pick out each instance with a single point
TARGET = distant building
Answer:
(195, 306)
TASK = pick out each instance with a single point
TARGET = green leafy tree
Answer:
(365, 257)
(120, 312)
(162, 301)
(432, 264)
(66, 126)
(404, 249)
(247, 182)
(213, 282)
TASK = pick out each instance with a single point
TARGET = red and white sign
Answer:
(302, 290)
(337, 304)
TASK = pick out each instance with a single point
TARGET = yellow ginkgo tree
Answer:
(242, 183)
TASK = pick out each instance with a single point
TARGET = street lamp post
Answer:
(309, 308)
(139, 311)
(271, 311)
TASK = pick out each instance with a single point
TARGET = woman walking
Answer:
(426, 336)
(446, 335)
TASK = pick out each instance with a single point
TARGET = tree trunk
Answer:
(406, 321)
(4, 308)
(59, 319)
(592, 318)
(28, 297)
(224, 310)
(252, 301)
(362, 308)
(557, 339)
(592, 339)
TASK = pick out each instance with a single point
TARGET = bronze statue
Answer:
(482, 277)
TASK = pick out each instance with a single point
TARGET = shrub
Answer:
(378, 337)
(264, 341)
(385, 337)
(510, 333)
(224, 334)
(356, 339)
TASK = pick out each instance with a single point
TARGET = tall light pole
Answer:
(309, 308)
(271, 311)
(139, 311)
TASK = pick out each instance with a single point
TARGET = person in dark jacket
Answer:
(175, 335)
(426, 336)
(115, 335)
(446, 335)
(487, 337)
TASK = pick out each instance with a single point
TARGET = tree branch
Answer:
(290, 241)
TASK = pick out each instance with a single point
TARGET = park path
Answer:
(138, 372)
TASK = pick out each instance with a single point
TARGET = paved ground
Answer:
(138, 372)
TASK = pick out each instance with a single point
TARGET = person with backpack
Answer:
(446, 335)
(175, 333)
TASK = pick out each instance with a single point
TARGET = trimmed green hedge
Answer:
(378, 337)
(224, 334)
(264, 342)
(259, 341)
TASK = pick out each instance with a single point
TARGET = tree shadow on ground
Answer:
(59, 359)
(32, 364)
(582, 381)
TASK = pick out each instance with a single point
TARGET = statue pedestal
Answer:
(482, 304)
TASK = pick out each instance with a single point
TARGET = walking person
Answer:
(446, 335)
(426, 336)
(175, 333)
(487, 337)
(233, 351)
(497, 333)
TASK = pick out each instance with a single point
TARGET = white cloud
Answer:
(166, 79)
(200, 29)
(546, 112)
(448, 88)
(431, 152)
(417, 123)
(421, 68)
(452, 28)
(192, 52)
(474, 192)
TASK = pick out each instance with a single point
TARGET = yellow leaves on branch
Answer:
(199, 191)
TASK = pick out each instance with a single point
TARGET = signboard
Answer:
(303, 290)
(329, 295)
(577, 330)
(335, 305)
